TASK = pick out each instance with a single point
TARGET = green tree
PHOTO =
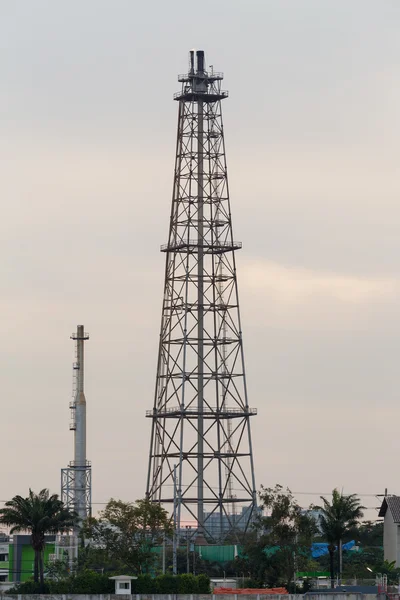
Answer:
(41, 514)
(57, 569)
(124, 535)
(369, 538)
(387, 566)
(338, 517)
(281, 541)
(197, 564)
(356, 564)
(369, 534)
(330, 534)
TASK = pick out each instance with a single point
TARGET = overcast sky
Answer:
(87, 141)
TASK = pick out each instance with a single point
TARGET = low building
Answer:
(390, 511)
(17, 557)
(122, 584)
(223, 583)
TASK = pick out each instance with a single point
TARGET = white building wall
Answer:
(391, 539)
(398, 547)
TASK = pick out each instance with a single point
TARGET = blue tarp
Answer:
(321, 549)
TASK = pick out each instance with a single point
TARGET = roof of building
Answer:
(122, 577)
(393, 504)
(356, 589)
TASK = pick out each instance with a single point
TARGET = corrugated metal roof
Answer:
(393, 504)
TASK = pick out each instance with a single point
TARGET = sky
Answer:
(312, 131)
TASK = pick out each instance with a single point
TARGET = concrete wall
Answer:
(390, 539)
(156, 597)
(344, 596)
(330, 596)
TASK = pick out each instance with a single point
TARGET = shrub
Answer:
(143, 585)
(28, 587)
(188, 584)
(168, 584)
(90, 582)
(204, 584)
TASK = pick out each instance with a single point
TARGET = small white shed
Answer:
(122, 583)
(228, 583)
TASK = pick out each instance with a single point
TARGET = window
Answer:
(3, 577)
(123, 585)
(3, 557)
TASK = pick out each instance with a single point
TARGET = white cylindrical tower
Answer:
(80, 428)
(80, 402)
(76, 479)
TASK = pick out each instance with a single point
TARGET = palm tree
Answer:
(329, 532)
(338, 517)
(40, 514)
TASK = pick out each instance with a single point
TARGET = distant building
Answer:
(315, 514)
(390, 511)
(238, 522)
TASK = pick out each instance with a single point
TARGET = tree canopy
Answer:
(124, 535)
(339, 516)
(281, 541)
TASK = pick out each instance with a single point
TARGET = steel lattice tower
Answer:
(201, 416)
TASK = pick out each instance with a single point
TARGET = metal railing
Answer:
(206, 245)
(213, 75)
(74, 464)
(205, 411)
(219, 93)
(74, 336)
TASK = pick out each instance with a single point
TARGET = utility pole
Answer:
(163, 554)
(174, 537)
(187, 549)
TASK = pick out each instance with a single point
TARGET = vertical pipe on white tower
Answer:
(80, 428)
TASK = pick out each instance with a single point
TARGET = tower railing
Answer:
(207, 246)
(210, 413)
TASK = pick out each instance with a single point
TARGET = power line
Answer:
(328, 493)
(362, 495)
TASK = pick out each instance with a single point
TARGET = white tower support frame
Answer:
(76, 479)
